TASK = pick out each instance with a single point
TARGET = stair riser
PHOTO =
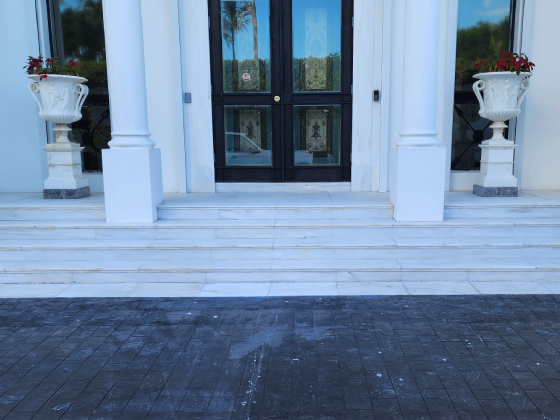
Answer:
(277, 214)
(315, 213)
(282, 232)
(46, 213)
(399, 253)
(501, 212)
(267, 276)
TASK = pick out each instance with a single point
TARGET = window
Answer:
(485, 27)
(76, 28)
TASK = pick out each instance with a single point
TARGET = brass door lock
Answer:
(277, 99)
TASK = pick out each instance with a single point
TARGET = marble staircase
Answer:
(234, 237)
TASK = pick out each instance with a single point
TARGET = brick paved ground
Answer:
(413, 357)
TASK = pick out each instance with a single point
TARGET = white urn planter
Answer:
(503, 93)
(61, 101)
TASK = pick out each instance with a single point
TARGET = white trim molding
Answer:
(368, 28)
(195, 58)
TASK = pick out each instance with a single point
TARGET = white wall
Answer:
(163, 88)
(537, 157)
(23, 164)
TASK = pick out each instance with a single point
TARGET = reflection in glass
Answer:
(316, 45)
(483, 31)
(246, 45)
(465, 153)
(248, 135)
(77, 34)
(317, 135)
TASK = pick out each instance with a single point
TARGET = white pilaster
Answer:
(419, 159)
(131, 167)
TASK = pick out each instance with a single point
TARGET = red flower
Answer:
(43, 76)
(480, 63)
(501, 64)
(50, 60)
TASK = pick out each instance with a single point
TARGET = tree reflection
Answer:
(235, 18)
(483, 40)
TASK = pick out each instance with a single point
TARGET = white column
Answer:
(131, 167)
(420, 161)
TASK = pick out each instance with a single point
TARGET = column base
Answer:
(494, 191)
(418, 188)
(133, 184)
(66, 194)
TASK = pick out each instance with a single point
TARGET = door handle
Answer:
(277, 99)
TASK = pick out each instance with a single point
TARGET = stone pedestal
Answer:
(496, 167)
(65, 180)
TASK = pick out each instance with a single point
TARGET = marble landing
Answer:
(263, 289)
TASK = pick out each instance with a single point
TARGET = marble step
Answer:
(279, 249)
(283, 229)
(280, 229)
(303, 212)
(276, 206)
(501, 210)
(279, 271)
(14, 208)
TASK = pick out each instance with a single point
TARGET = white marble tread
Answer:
(277, 243)
(331, 266)
(271, 200)
(29, 200)
(274, 223)
(453, 199)
(74, 290)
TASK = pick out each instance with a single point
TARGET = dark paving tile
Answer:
(391, 357)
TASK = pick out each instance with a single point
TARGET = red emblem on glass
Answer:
(246, 77)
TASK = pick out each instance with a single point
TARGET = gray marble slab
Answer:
(66, 194)
(495, 191)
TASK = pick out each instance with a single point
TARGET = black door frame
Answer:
(283, 168)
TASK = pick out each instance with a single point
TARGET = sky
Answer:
(74, 4)
(244, 39)
(473, 11)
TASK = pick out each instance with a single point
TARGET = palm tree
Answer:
(253, 8)
(235, 18)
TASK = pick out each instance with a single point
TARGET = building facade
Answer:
(198, 96)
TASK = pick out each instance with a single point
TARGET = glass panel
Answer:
(77, 34)
(317, 135)
(248, 135)
(483, 31)
(316, 45)
(246, 45)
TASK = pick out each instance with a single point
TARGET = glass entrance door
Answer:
(282, 89)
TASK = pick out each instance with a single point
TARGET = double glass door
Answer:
(281, 90)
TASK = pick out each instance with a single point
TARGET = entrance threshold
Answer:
(277, 187)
